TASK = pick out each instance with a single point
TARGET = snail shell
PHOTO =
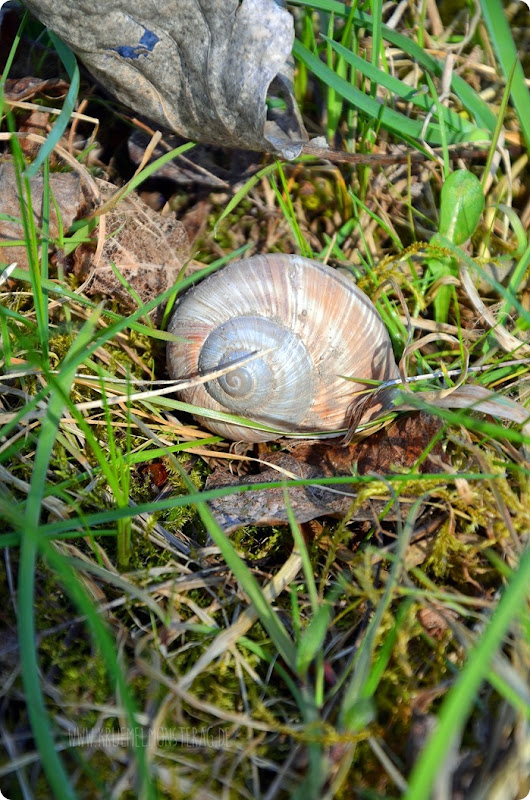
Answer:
(318, 327)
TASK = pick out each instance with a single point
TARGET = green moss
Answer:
(257, 543)
(144, 554)
(444, 552)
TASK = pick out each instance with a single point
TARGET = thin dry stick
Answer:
(386, 159)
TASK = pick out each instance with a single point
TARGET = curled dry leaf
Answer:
(146, 248)
(435, 621)
(393, 448)
(70, 201)
(474, 398)
(202, 68)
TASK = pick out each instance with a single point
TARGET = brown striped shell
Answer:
(317, 326)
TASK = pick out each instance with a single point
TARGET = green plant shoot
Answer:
(461, 206)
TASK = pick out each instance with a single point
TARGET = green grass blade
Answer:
(31, 240)
(70, 64)
(29, 549)
(471, 101)
(40, 722)
(515, 283)
(286, 206)
(243, 192)
(498, 127)
(459, 700)
(64, 569)
(111, 515)
(11, 314)
(334, 102)
(43, 272)
(394, 121)
(268, 617)
(71, 527)
(454, 121)
(355, 694)
(11, 57)
(139, 177)
(501, 36)
(121, 323)
(377, 39)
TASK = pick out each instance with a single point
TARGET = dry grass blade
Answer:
(229, 637)
(433, 337)
(173, 386)
(64, 154)
(508, 342)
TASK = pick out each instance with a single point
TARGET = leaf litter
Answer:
(143, 255)
(397, 446)
(71, 204)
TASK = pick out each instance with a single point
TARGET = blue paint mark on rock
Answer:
(144, 46)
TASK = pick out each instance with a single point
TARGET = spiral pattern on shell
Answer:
(314, 327)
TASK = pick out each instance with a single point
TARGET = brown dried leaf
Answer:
(202, 68)
(17, 89)
(71, 202)
(148, 249)
(435, 621)
(267, 506)
(396, 447)
(478, 398)
(36, 122)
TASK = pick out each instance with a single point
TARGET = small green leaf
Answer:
(461, 206)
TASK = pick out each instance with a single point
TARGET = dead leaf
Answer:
(435, 621)
(147, 249)
(156, 471)
(17, 89)
(202, 68)
(267, 506)
(67, 191)
(36, 122)
(396, 447)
